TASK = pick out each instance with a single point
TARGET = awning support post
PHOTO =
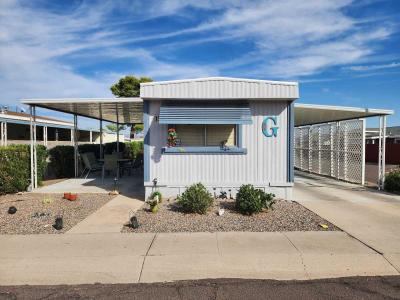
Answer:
(75, 145)
(101, 133)
(382, 153)
(3, 134)
(34, 177)
(116, 109)
(31, 138)
(45, 135)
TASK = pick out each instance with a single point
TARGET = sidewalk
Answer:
(132, 258)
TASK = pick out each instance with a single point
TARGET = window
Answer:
(206, 135)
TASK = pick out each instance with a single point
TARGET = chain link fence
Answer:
(333, 149)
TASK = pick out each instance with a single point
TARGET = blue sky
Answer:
(342, 52)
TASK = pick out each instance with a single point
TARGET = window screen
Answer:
(190, 135)
(206, 135)
(216, 134)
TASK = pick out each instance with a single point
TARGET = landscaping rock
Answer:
(286, 216)
(36, 216)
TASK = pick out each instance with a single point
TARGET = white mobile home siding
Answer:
(264, 165)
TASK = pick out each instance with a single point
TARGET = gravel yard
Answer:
(286, 216)
(34, 215)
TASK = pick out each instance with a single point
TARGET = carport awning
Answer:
(129, 110)
(309, 114)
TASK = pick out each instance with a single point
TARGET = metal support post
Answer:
(76, 145)
(101, 132)
(382, 152)
(116, 109)
(4, 137)
(2, 134)
(309, 149)
(363, 153)
(31, 138)
(319, 150)
(45, 135)
(34, 149)
(332, 156)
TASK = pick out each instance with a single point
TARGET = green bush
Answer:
(156, 193)
(15, 170)
(392, 181)
(134, 148)
(94, 148)
(196, 199)
(109, 148)
(250, 200)
(62, 161)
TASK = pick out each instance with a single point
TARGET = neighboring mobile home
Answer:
(15, 129)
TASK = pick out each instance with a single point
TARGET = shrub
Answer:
(134, 148)
(15, 171)
(196, 199)
(93, 148)
(250, 200)
(156, 193)
(109, 148)
(62, 161)
(392, 181)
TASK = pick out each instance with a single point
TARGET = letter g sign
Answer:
(269, 128)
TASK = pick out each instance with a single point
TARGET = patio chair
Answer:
(90, 166)
(110, 165)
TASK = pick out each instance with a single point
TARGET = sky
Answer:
(341, 52)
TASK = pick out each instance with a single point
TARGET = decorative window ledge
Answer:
(203, 150)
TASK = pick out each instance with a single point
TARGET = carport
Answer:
(115, 110)
(330, 141)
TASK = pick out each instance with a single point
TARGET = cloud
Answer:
(56, 52)
(374, 67)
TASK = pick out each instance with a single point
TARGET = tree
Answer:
(128, 86)
(113, 127)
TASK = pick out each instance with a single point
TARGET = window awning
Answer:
(205, 115)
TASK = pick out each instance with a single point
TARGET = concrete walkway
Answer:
(110, 217)
(372, 217)
(132, 258)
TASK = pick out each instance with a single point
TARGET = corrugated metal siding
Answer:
(220, 89)
(265, 162)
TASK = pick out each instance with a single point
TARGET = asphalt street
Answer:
(385, 287)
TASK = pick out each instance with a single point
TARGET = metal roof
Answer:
(309, 114)
(130, 110)
(220, 88)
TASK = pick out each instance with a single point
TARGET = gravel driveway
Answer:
(286, 216)
(34, 215)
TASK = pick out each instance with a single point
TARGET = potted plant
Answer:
(172, 135)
